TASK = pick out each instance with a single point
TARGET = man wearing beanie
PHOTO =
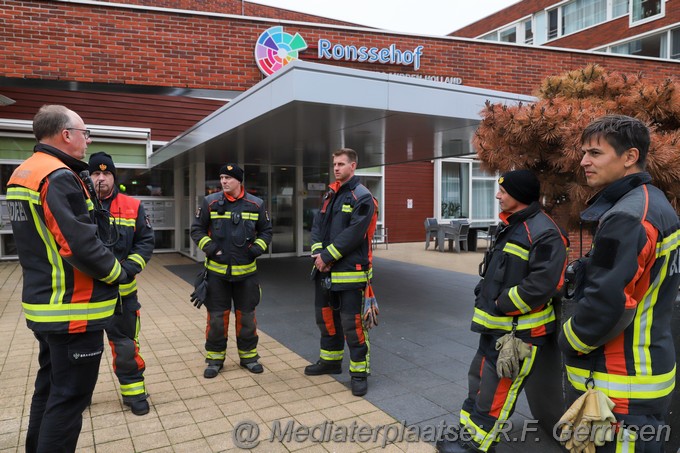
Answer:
(521, 273)
(232, 228)
(133, 249)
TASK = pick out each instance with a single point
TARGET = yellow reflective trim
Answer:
(331, 355)
(528, 321)
(136, 388)
(23, 194)
(212, 355)
(516, 250)
(215, 215)
(666, 246)
(216, 267)
(517, 301)
(346, 208)
(124, 222)
(317, 246)
(69, 312)
(260, 243)
(351, 276)
(244, 269)
(137, 258)
(52, 253)
(574, 340)
(204, 240)
(617, 386)
(358, 367)
(335, 253)
(125, 289)
(114, 274)
(250, 215)
(247, 354)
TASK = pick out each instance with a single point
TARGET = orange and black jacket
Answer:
(70, 278)
(340, 233)
(523, 271)
(619, 337)
(239, 227)
(135, 242)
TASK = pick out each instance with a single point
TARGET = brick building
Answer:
(174, 90)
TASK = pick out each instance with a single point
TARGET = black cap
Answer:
(232, 170)
(102, 162)
(521, 185)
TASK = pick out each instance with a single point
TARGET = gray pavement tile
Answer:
(411, 408)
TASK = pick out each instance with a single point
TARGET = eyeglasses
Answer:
(86, 132)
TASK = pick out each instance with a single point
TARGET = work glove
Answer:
(587, 423)
(371, 309)
(512, 351)
(220, 257)
(200, 292)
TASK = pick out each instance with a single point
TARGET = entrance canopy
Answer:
(307, 110)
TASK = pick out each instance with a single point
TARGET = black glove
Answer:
(200, 289)
(123, 277)
(220, 257)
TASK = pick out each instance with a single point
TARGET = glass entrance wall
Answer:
(463, 190)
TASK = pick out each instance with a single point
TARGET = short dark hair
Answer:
(621, 132)
(349, 152)
(50, 121)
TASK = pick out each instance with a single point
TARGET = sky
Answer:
(428, 17)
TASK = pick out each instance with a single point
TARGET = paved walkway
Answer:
(420, 355)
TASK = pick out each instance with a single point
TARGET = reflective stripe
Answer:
(204, 240)
(136, 388)
(625, 441)
(247, 354)
(617, 386)
(352, 276)
(212, 355)
(114, 274)
(517, 250)
(69, 312)
(228, 214)
(124, 222)
(524, 322)
(517, 301)
(317, 246)
(52, 252)
(260, 243)
(335, 253)
(23, 194)
(125, 289)
(664, 248)
(346, 208)
(137, 259)
(358, 367)
(236, 270)
(574, 340)
(330, 356)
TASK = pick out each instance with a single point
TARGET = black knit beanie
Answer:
(232, 170)
(101, 162)
(521, 185)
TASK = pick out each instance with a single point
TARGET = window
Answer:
(528, 33)
(483, 194)
(649, 46)
(581, 14)
(552, 23)
(455, 190)
(493, 36)
(509, 35)
(675, 44)
(619, 8)
(644, 9)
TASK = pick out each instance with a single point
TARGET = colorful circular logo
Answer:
(275, 48)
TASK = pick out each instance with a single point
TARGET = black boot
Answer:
(212, 370)
(253, 367)
(321, 367)
(452, 446)
(140, 407)
(359, 385)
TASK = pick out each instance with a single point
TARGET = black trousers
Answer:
(69, 367)
(338, 316)
(123, 334)
(245, 295)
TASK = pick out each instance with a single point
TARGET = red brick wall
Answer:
(62, 41)
(589, 38)
(403, 182)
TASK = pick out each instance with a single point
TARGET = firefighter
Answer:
(341, 249)
(618, 340)
(133, 248)
(521, 273)
(232, 228)
(70, 279)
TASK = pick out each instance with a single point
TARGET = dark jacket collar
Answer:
(603, 201)
(72, 163)
(350, 184)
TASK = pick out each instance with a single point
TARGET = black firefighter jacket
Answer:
(70, 278)
(522, 273)
(620, 333)
(340, 234)
(239, 227)
(135, 243)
